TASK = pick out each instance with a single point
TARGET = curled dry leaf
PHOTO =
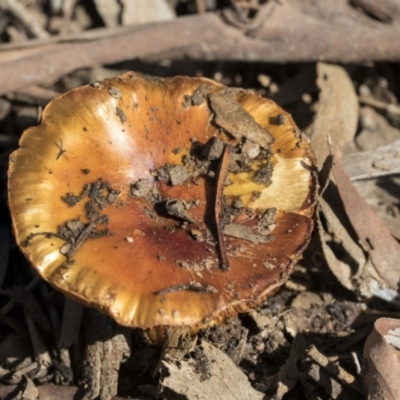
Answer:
(383, 248)
(337, 112)
(337, 116)
(382, 354)
(136, 197)
(336, 123)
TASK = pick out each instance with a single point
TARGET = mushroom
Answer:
(163, 202)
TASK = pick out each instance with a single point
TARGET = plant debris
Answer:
(306, 340)
(235, 120)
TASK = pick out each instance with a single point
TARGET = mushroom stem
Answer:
(219, 217)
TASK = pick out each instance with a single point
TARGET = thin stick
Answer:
(201, 6)
(25, 16)
(335, 370)
(219, 209)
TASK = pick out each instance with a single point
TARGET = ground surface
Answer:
(46, 340)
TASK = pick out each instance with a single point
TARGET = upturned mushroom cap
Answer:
(161, 202)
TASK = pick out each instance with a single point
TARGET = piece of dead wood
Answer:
(315, 378)
(335, 369)
(107, 346)
(382, 354)
(216, 378)
(295, 31)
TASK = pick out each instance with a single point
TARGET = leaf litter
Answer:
(276, 343)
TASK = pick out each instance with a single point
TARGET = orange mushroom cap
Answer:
(161, 202)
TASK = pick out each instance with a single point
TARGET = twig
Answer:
(35, 95)
(337, 33)
(334, 369)
(392, 110)
(219, 206)
(23, 14)
(68, 7)
(201, 6)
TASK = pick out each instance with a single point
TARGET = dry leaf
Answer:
(218, 378)
(382, 353)
(383, 248)
(337, 112)
(337, 116)
(336, 120)
(341, 270)
(382, 161)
